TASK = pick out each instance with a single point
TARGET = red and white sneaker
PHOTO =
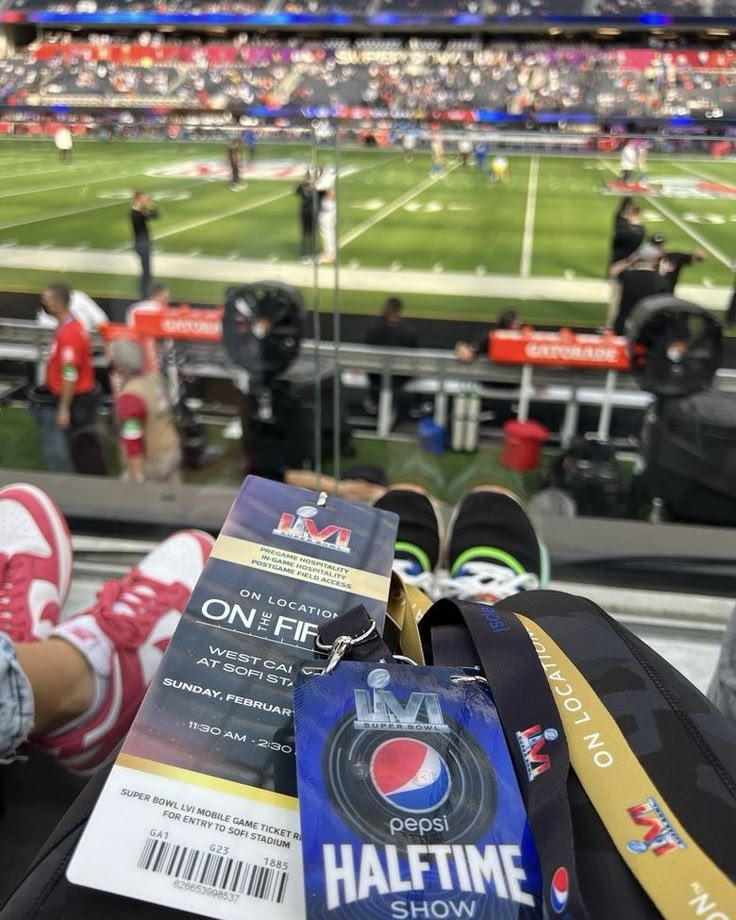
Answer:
(35, 563)
(124, 637)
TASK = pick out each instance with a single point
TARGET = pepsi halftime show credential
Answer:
(410, 806)
(200, 810)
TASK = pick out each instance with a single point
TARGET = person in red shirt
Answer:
(67, 408)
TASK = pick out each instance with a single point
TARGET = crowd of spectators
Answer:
(148, 71)
(408, 8)
(382, 75)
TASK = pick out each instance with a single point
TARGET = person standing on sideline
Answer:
(628, 235)
(629, 162)
(628, 231)
(66, 409)
(639, 277)
(250, 144)
(672, 263)
(64, 143)
(308, 212)
(327, 216)
(234, 152)
(143, 210)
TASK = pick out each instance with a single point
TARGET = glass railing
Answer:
(393, 297)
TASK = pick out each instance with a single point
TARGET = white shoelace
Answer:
(424, 580)
(483, 579)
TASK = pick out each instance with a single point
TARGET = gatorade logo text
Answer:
(660, 837)
(383, 712)
(301, 526)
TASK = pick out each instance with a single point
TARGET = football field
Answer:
(452, 246)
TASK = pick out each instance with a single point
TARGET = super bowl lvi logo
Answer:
(303, 526)
(398, 769)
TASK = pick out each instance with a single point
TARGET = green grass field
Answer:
(454, 247)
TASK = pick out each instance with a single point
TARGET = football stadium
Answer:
(367, 437)
(456, 245)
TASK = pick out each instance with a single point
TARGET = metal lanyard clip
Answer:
(337, 649)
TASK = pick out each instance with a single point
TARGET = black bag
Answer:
(684, 743)
(588, 471)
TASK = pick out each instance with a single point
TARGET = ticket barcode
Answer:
(214, 870)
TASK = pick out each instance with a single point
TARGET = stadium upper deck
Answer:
(379, 13)
(371, 77)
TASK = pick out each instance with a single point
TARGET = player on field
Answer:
(328, 226)
(500, 169)
(481, 152)
(250, 144)
(437, 146)
(641, 163)
(234, 152)
(409, 144)
(629, 162)
(327, 219)
(464, 149)
(64, 143)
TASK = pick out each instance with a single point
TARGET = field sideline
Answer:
(452, 246)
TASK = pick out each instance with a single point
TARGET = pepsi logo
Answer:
(410, 775)
(559, 890)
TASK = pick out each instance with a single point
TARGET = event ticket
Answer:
(199, 811)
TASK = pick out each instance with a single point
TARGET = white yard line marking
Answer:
(202, 221)
(19, 174)
(54, 188)
(693, 234)
(527, 246)
(701, 175)
(55, 215)
(413, 193)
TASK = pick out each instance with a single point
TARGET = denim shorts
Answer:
(16, 702)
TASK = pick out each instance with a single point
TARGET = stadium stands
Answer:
(192, 7)
(383, 9)
(379, 76)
